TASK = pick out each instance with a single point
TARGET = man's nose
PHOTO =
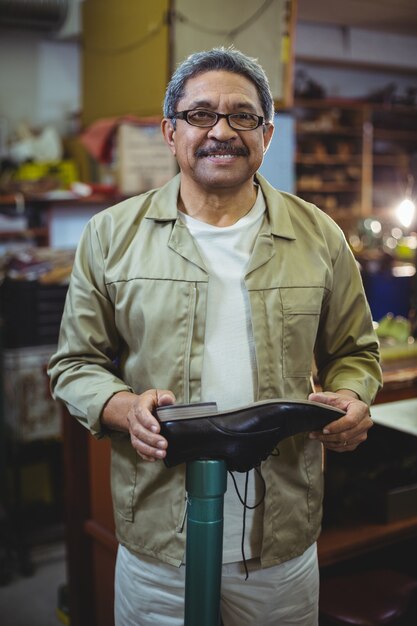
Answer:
(222, 130)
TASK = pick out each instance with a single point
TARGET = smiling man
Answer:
(216, 287)
(218, 154)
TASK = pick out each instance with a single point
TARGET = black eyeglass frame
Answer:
(183, 115)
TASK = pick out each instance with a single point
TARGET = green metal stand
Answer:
(206, 483)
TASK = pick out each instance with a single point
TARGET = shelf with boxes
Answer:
(354, 158)
(394, 154)
(31, 314)
(31, 307)
(20, 220)
(329, 157)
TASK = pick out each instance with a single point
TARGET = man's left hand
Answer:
(346, 433)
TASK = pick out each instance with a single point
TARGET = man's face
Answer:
(218, 157)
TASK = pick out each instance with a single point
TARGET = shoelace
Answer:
(246, 506)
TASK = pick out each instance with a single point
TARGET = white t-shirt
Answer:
(229, 375)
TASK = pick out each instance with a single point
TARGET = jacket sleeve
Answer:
(347, 348)
(83, 371)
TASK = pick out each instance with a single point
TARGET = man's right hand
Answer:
(133, 414)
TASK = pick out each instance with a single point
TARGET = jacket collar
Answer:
(278, 211)
(163, 206)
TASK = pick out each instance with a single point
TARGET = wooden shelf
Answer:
(382, 134)
(329, 103)
(322, 124)
(27, 233)
(343, 543)
(65, 200)
(337, 130)
(331, 159)
(38, 208)
(395, 188)
(349, 187)
(391, 160)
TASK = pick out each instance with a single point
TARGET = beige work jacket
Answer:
(135, 319)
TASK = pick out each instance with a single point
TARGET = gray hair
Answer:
(217, 59)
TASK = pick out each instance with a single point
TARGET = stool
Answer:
(370, 598)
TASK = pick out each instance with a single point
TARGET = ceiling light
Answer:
(405, 212)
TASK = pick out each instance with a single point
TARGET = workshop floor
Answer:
(33, 600)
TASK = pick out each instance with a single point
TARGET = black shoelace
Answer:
(246, 506)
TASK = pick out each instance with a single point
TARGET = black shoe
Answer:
(242, 437)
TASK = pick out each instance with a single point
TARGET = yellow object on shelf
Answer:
(395, 330)
(399, 351)
(64, 171)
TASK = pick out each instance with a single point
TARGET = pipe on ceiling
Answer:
(47, 15)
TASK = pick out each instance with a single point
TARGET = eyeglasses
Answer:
(206, 119)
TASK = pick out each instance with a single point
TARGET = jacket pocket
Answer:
(301, 308)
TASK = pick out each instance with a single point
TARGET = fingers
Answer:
(346, 433)
(343, 445)
(144, 428)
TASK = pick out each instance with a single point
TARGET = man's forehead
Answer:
(224, 77)
(206, 86)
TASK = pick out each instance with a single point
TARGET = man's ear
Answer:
(268, 132)
(168, 132)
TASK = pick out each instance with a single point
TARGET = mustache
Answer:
(225, 147)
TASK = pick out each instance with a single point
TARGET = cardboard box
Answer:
(143, 161)
(30, 412)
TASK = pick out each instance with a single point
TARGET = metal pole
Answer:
(206, 483)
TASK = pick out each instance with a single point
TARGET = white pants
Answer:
(151, 593)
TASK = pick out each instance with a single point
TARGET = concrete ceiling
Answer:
(391, 16)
